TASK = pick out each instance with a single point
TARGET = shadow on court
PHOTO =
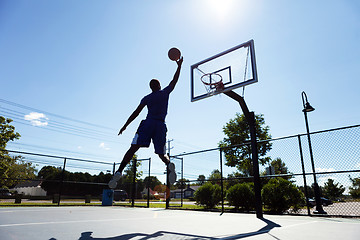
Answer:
(170, 235)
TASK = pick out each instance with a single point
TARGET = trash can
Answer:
(87, 198)
(18, 198)
(56, 198)
(107, 197)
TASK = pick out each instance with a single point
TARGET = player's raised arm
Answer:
(132, 117)
(177, 74)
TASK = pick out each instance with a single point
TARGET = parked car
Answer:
(324, 202)
(120, 195)
(5, 192)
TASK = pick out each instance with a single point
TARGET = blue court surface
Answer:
(120, 223)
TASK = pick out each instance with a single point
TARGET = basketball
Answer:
(174, 54)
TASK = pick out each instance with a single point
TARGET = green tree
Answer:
(12, 168)
(355, 188)
(309, 190)
(75, 184)
(201, 179)
(128, 178)
(333, 190)
(129, 171)
(50, 175)
(279, 167)
(237, 132)
(215, 176)
(182, 183)
(152, 182)
(20, 169)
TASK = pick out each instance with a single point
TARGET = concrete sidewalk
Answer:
(118, 223)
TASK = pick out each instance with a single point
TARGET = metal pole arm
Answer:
(241, 101)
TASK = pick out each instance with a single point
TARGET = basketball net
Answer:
(212, 83)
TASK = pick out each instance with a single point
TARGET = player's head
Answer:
(155, 85)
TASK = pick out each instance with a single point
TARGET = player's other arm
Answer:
(176, 75)
(132, 117)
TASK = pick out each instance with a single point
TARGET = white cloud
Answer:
(37, 119)
(102, 145)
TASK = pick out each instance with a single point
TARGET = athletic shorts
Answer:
(154, 130)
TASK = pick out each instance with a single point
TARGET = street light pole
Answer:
(309, 108)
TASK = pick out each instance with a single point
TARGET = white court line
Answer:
(79, 221)
(46, 209)
(294, 225)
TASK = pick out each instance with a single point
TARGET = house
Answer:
(30, 188)
(177, 193)
(187, 193)
(190, 190)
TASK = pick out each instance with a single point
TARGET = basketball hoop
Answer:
(213, 83)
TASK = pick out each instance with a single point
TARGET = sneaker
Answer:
(171, 167)
(172, 173)
(172, 177)
(113, 182)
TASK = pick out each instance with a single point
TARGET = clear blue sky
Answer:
(91, 61)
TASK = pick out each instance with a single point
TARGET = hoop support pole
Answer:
(250, 117)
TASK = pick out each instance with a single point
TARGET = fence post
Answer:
(148, 186)
(221, 182)
(133, 185)
(182, 181)
(62, 180)
(304, 176)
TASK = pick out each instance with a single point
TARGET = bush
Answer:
(208, 195)
(241, 196)
(280, 195)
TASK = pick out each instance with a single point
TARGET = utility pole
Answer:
(168, 147)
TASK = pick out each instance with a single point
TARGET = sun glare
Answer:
(219, 9)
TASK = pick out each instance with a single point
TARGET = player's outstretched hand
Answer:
(121, 130)
(180, 61)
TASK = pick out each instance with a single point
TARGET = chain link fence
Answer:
(335, 165)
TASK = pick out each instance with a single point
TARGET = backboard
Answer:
(235, 66)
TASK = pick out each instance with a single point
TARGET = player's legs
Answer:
(164, 158)
(142, 139)
(128, 156)
(159, 140)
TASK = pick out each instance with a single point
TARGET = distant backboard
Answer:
(236, 67)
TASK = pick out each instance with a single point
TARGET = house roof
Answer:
(189, 188)
(192, 188)
(177, 190)
(32, 183)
